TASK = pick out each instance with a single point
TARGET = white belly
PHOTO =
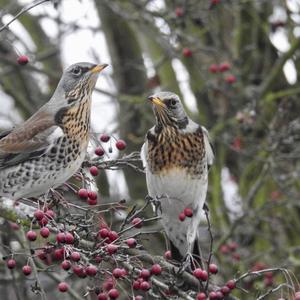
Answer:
(177, 191)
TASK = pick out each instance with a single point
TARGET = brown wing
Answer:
(26, 140)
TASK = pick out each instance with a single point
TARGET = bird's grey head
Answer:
(76, 83)
(169, 110)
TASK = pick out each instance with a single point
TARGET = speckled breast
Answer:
(171, 149)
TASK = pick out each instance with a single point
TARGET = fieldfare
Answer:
(177, 155)
(48, 148)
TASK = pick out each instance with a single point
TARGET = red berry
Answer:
(11, 263)
(102, 296)
(26, 270)
(14, 226)
(43, 222)
(121, 145)
(45, 232)
(41, 254)
(39, 214)
(99, 151)
(197, 273)
(156, 269)
(201, 296)
(297, 296)
(59, 253)
(230, 79)
(75, 256)
(236, 256)
(137, 222)
(94, 171)
(188, 212)
(145, 274)
(112, 235)
(113, 294)
(61, 237)
(66, 265)
(63, 287)
(92, 195)
(220, 295)
(179, 11)
(268, 281)
(117, 273)
(231, 284)
(168, 254)
(181, 216)
(111, 249)
(22, 60)
(136, 285)
(233, 246)
(83, 193)
(98, 259)
(91, 270)
(268, 275)
(131, 242)
(50, 214)
(145, 286)
(31, 235)
(92, 201)
(69, 238)
(224, 67)
(200, 274)
(138, 297)
(214, 2)
(224, 249)
(213, 268)
(79, 271)
(108, 284)
(213, 295)
(225, 290)
(104, 232)
(213, 68)
(187, 52)
(104, 138)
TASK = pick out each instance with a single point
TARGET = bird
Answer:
(48, 148)
(177, 155)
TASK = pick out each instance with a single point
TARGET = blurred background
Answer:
(235, 66)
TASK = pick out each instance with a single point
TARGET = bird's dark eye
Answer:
(173, 102)
(76, 71)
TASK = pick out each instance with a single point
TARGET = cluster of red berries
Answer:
(230, 248)
(89, 196)
(203, 275)
(187, 212)
(119, 144)
(268, 276)
(11, 264)
(219, 294)
(223, 67)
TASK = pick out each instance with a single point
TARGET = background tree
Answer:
(226, 60)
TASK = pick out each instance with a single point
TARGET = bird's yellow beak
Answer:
(98, 68)
(156, 101)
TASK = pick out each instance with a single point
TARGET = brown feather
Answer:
(23, 138)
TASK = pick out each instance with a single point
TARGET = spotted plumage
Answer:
(50, 147)
(177, 155)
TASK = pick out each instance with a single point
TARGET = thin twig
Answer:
(21, 12)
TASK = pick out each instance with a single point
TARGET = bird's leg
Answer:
(58, 198)
(155, 202)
